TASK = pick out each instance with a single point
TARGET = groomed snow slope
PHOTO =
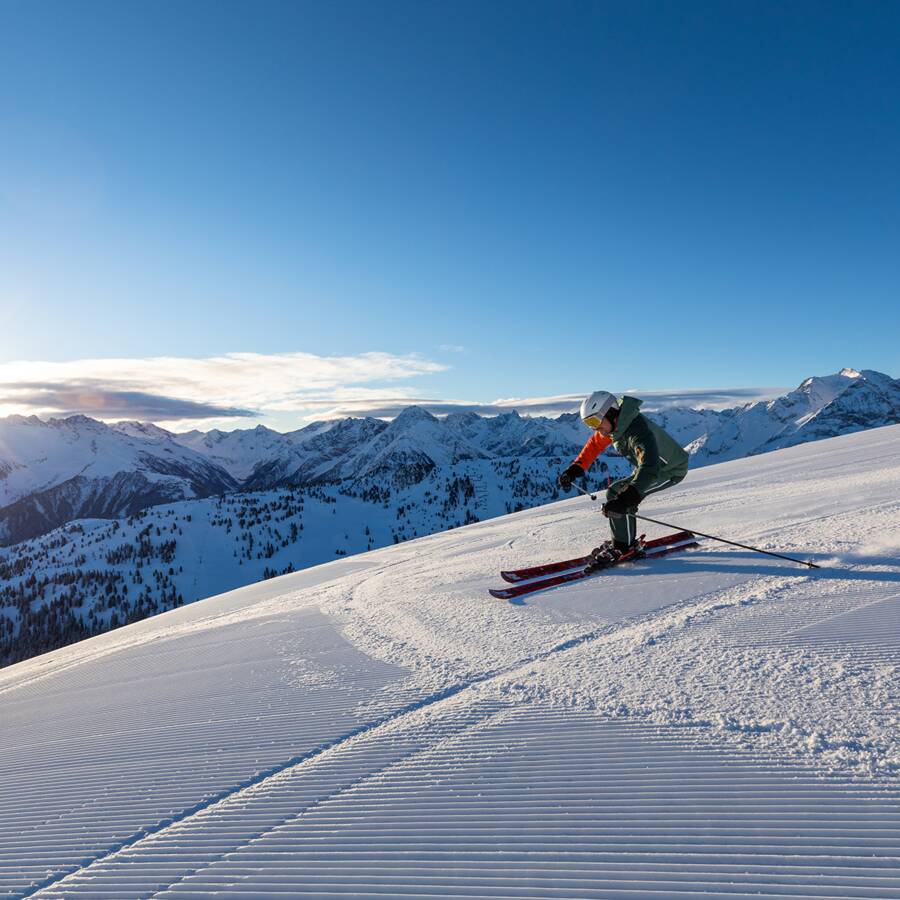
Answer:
(714, 724)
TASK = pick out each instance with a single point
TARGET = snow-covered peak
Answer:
(410, 446)
(411, 416)
(462, 417)
(817, 392)
(39, 457)
(308, 432)
(880, 380)
(820, 407)
(240, 452)
(866, 403)
(16, 419)
(79, 423)
(144, 430)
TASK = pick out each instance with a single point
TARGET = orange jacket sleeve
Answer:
(595, 445)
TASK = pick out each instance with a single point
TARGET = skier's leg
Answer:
(623, 528)
(662, 485)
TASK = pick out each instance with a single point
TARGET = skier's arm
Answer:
(595, 445)
(646, 451)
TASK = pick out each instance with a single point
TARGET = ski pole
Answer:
(712, 537)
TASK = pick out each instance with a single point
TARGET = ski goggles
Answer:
(593, 422)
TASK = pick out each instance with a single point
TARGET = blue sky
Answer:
(479, 201)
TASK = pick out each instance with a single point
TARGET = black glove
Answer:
(566, 478)
(630, 498)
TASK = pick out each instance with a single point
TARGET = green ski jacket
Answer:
(655, 454)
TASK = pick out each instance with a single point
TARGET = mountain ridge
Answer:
(53, 471)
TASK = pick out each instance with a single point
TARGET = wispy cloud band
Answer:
(386, 407)
(174, 390)
(100, 401)
(279, 389)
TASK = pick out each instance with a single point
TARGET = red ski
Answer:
(514, 576)
(542, 584)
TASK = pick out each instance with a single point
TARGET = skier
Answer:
(658, 459)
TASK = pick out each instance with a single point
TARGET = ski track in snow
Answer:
(710, 724)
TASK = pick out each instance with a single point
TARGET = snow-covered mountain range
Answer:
(52, 472)
(712, 724)
(65, 469)
(399, 452)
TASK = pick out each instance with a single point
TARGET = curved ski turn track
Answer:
(711, 724)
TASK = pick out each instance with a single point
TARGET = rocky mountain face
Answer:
(869, 401)
(842, 403)
(52, 472)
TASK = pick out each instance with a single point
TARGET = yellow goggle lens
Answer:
(592, 422)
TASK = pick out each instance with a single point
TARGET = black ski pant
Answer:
(624, 528)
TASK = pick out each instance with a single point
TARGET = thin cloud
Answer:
(174, 390)
(95, 400)
(387, 407)
(281, 389)
(707, 398)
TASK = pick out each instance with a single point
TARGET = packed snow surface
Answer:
(715, 723)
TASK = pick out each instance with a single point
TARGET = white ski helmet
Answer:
(595, 407)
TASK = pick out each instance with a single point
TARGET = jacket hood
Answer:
(629, 407)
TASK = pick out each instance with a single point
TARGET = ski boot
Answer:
(609, 554)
